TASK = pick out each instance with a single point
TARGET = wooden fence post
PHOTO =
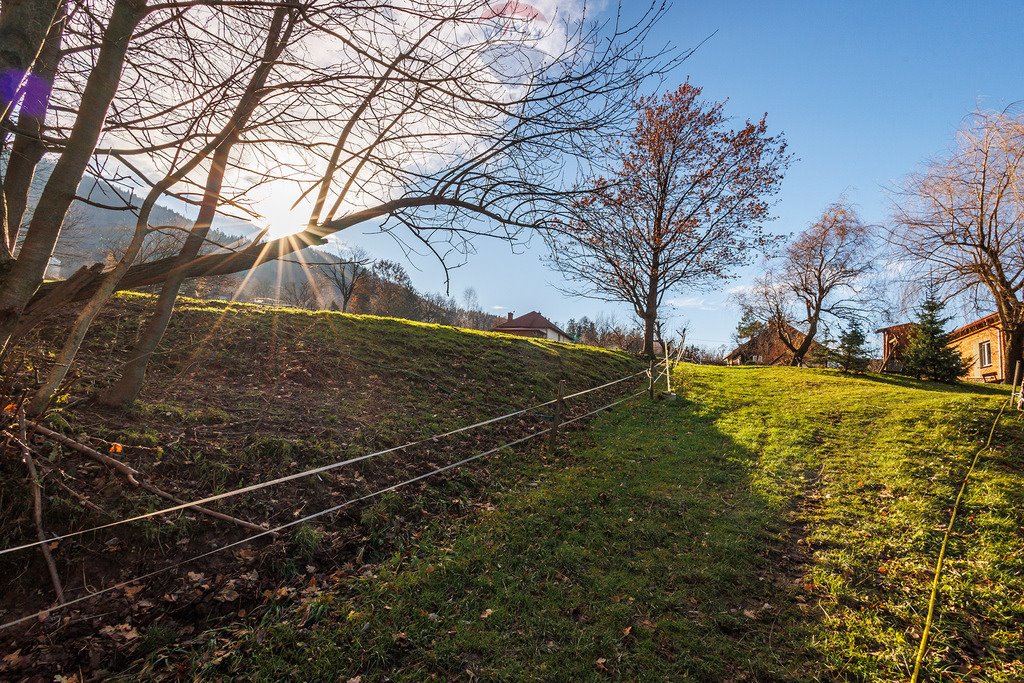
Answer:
(651, 388)
(556, 420)
(1017, 391)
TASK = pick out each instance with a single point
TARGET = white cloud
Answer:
(693, 302)
(739, 289)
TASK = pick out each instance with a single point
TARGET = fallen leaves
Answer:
(121, 632)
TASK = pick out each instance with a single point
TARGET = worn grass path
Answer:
(777, 524)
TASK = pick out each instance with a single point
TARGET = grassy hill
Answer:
(240, 394)
(777, 524)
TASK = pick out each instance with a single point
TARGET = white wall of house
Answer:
(553, 335)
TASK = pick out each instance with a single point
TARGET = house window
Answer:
(985, 354)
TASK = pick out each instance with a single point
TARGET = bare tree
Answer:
(278, 35)
(20, 281)
(960, 223)
(431, 118)
(301, 294)
(346, 273)
(684, 207)
(822, 275)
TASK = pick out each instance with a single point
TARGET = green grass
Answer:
(776, 524)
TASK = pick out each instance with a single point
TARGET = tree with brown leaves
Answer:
(685, 205)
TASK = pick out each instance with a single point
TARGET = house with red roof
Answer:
(533, 324)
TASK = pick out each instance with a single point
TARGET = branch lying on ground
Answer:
(37, 505)
(134, 477)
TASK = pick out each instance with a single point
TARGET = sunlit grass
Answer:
(779, 524)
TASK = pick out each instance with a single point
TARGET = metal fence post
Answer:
(556, 420)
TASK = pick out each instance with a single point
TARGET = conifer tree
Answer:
(852, 355)
(928, 356)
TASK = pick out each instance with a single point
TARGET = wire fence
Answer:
(933, 598)
(556, 423)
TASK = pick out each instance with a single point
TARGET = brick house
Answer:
(981, 341)
(533, 324)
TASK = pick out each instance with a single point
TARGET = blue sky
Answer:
(864, 91)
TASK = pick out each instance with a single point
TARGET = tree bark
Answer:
(24, 25)
(649, 320)
(801, 350)
(28, 148)
(22, 281)
(23, 28)
(126, 389)
(1014, 351)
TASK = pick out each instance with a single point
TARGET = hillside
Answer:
(779, 524)
(240, 394)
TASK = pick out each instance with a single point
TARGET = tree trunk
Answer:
(28, 149)
(24, 25)
(649, 321)
(801, 350)
(650, 314)
(20, 283)
(126, 389)
(1014, 351)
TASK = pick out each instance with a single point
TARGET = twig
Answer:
(81, 498)
(134, 477)
(37, 507)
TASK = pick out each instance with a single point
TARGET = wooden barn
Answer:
(767, 348)
(895, 340)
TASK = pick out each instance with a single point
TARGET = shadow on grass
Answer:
(649, 555)
(905, 382)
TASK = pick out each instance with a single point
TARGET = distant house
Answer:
(533, 324)
(766, 348)
(981, 341)
(895, 340)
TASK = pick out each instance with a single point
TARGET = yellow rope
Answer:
(945, 542)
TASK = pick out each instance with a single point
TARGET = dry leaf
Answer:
(486, 613)
(627, 630)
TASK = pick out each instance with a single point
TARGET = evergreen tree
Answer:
(928, 356)
(748, 327)
(852, 355)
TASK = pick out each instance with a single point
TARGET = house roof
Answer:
(530, 321)
(979, 324)
(896, 328)
(962, 331)
(768, 336)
